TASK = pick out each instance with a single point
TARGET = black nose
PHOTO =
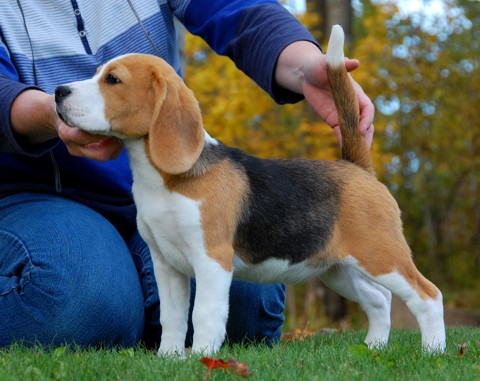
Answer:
(61, 92)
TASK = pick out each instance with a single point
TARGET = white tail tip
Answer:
(335, 55)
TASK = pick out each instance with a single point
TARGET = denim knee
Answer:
(66, 276)
(256, 312)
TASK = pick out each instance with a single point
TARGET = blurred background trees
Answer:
(421, 69)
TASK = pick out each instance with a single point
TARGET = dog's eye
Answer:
(111, 79)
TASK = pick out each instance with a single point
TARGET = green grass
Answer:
(334, 356)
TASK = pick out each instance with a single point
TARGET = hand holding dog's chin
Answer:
(35, 120)
(82, 144)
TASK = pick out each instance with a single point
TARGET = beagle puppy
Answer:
(215, 213)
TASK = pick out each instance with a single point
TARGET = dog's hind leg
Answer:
(422, 298)
(374, 299)
(397, 272)
(370, 238)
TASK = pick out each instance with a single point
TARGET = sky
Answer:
(434, 6)
(429, 6)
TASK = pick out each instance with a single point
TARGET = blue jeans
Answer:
(68, 276)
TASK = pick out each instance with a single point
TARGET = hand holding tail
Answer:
(354, 147)
(317, 92)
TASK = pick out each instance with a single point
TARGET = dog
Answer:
(215, 213)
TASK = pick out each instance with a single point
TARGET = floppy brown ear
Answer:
(176, 136)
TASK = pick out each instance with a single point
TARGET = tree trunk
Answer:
(332, 12)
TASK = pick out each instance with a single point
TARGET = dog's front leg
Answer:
(174, 293)
(210, 311)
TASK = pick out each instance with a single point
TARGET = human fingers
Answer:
(83, 144)
(368, 135)
(367, 113)
(105, 149)
(351, 64)
(338, 134)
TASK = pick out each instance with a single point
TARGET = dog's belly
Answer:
(275, 270)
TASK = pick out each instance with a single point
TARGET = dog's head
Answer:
(138, 96)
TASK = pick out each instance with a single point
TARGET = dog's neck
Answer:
(212, 153)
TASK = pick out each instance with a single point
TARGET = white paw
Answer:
(171, 350)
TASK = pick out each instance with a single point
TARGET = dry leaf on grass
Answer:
(240, 368)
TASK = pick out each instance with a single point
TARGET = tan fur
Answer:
(169, 113)
(135, 120)
(370, 227)
(221, 191)
(332, 253)
(177, 125)
(354, 147)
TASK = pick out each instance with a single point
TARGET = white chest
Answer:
(168, 221)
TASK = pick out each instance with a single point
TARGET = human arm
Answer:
(30, 126)
(267, 43)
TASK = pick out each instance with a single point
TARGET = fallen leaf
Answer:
(212, 363)
(240, 368)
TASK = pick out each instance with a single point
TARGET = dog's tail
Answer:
(354, 147)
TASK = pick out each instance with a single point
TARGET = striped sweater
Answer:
(46, 43)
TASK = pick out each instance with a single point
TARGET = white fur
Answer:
(210, 311)
(210, 140)
(85, 106)
(374, 299)
(428, 312)
(277, 271)
(335, 55)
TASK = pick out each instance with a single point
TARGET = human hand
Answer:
(302, 68)
(317, 93)
(82, 144)
(35, 119)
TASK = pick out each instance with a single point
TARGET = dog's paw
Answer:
(205, 349)
(172, 351)
(435, 344)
